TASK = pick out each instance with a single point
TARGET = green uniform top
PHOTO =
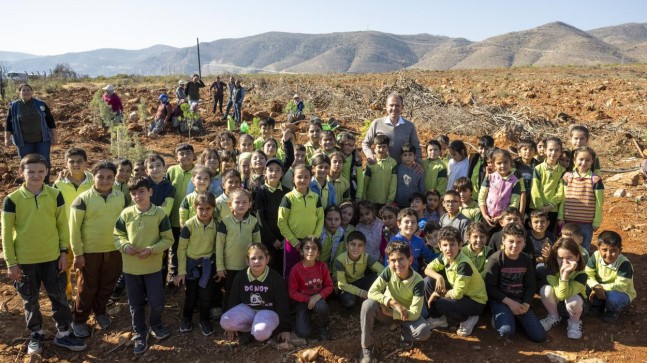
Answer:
(435, 175)
(300, 216)
(342, 189)
(462, 276)
(188, 209)
(547, 187)
(472, 212)
(474, 178)
(327, 241)
(180, 180)
(618, 276)
(34, 227)
(197, 240)
(348, 271)
(123, 188)
(310, 151)
(479, 260)
(380, 181)
(222, 207)
(575, 285)
(150, 229)
(71, 191)
(409, 293)
(232, 240)
(585, 254)
(92, 219)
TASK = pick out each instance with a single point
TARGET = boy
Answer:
(163, 194)
(476, 248)
(267, 126)
(443, 140)
(380, 179)
(538, 239)
(453, 218)
(230, 182)
(510, 215)
(510, 283)
(611, 278)
(397, 295)
(352, 271)
(352, 163)
(469, 207)
(327, 144)
(408, 224)
(180, 176)
(314, 138)
(341, 184)
(431, 236)
(299, 159)
(124, 172)
(476, 171)
(462, 298)
(435, 168)
(408, 181)
(142, 234)
(139, 169)
(417, 204)
(574, 232)
(35, 241)
(525, 165)
(579, 138)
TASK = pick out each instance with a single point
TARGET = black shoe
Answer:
(324, 334)
(160, 332)
(207, 328)
(405, 344)
(141, 343)
(245, 338)
(186, 326)
(35, 345)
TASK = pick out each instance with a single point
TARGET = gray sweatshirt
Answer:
(399, 135)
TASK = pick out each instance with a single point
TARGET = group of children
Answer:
(270, 228)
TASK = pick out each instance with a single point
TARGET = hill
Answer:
(631, 38)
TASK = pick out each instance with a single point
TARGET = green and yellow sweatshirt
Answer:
(479, 260)
(197, 240)
(410, 293)
(232, 239)
(463, 277)
(547, 187)
(435, 175)
(71, 191)
(380, 181)
(575, 285)
(618, 276)
(471, 211)
(348, 271)
(180, 180)
(300, 216)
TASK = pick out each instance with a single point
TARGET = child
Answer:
(246, 144)
(195, 263)
(477, 249)
(210, 159)
(163, 191)
(236, 232)
(142, 234)
(417, 204)
(443, 140)
(408, 180)
(408, 224)
(538, 239)
(339, 182)
(389, 217)
(580, 138)
(476, 171)
(352, 170)
(332, 237)
(373, 229)
(309, 285)
(347, 210)
(501, 189)
(300, 216)
(270, 148)
(525, 165)
(96, 258)
(228, 161)
(541, 150)
(319, 184)
(453, 217)
(458, 164)
(574, 232)
(258, 301)
(469, 207)
(327, 144)
(299, 159)
(267, 126)
(547, 191)
(432, 205)
(244, 167)
(431, 237)
(510, 284)
(230, 182)
(258, 170)
(564, 293)
(314, 138)
(435, 168)
(510, 215)
(124, 172)
(227, 141)
(35, 242)
(139, 170)
(355, 271)
(583, 196)
(396, 296)
(380, 179)
(566, 160)
(200, 178)
(462, 298)
(611, 278)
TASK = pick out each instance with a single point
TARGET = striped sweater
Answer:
(583, 198)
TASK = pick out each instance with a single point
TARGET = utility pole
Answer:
(197, 40)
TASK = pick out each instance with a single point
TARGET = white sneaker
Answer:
(574, 330)
(437, 322)
(466, 327)
(550, 322)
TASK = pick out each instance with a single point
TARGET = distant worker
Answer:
(192, 89)
(111, 98)
(179, 91)
(298, 113)
(163, 116)
(232, 87)
(219, 94)
(239, 95)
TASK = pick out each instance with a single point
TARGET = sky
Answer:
(51, 27)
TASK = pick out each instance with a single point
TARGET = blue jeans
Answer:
(587, 232)
(349, 300)
(505, 322)
(615, 302)
(302, 327)
(143, 288)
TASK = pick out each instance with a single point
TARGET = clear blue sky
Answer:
(49, 27)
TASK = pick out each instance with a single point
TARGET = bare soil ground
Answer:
(506, 103)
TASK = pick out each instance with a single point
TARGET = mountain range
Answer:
(359, 52)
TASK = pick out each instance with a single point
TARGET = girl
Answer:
(347, 210)
(244, 167)
(195, 263)
(258, 301)
(432, 198)
(300, 215)
(458, 164)
(235, 233)
(246, 143)
(501, 189)
(477, 249)
(266, 201)
(389, 216)
(270, 147)
(309, 285)
(541, 150)
(256, 178)
(332, 237)
(547, 191)
(227, 141)
(583, 195)
(340, 183)
(200, 178)
(211, 160)
(227, 161)
(564, 295)
(319, 183)
(373, 229)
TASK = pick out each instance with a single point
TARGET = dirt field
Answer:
(506, 103)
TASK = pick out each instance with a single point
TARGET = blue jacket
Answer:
(16, 131)
(419, 251)
(332, 194)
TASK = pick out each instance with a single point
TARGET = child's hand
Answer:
(440, 285)
(434, 296)
(63, 174)
(62, 263)
(545, 251)
(363, 294)
(15, 273)
(79, 262)
(313, 300)
(278, 245)
(386, 311)
(560, 223)
(547, 208)
(566, 269)
(599, 292)
(221, 275)
(525, 307)
(404, 313)
(231, 335)
(145, 253)
(130, 250)
(514, 306)
(179, 280)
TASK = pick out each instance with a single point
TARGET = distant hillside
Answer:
(361, 52)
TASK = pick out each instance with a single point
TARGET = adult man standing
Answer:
(399, 130)
(192, 89)
(232, 87)
(219, 94)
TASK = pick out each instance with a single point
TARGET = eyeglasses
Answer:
(451, 201)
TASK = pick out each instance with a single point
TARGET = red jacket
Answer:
(304, 282)
(114, 102)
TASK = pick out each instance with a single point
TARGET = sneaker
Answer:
(216, 313)
(437, 322)
(405, 344)
(141, 344)
(69, 341)
(610, 317)
(465, 328)
(160, 332)
(324, 334)
(186, 326)
(104, 321)
(35, 345)
(207, 328)
(574, 330)
(550, 322)
(81, 330)
(367, 355)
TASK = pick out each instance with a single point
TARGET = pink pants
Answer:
(261, 323)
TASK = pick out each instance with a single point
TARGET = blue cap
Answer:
(163, 97)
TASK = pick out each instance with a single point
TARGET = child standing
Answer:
(541, 150)
(408, 224)
(319, 184)
(124, 172)
(352, 170)
(547, 191)
(453, 217)
(142, 234)
(246, 143)
(332, 237)
(462, 297)
(230, 182)
(314, 138)
(501, 189)
(373, 229)
(408, 180)
(309, 285)
(580, 138)
(458, 164)
(477, 165)
(583, 195)
(510, 283)
(163, 192)
(435, 168)
(200, 179)
(347, 210)
(267, 126)
(380, 179)
(35, 241)
(469, 207)
(338, 181)
(327, 144)
(477, 249)
(210, 159)
(564, 295)
(417, 204)
(525, 165)
(299, 159)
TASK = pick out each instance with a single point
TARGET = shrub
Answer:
(101, 112)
